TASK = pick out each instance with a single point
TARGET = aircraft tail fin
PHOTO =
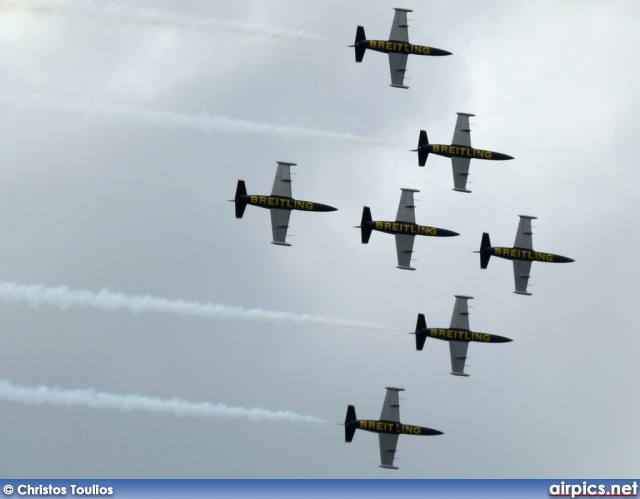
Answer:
(241, 204)
(365, 230)
(484, 254)
(349, 429)
(360, 37)
(423, 142)
(421, 332)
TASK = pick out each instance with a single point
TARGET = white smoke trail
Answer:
(152, 17)
(103, 400)
(203, 122)
(63, 298)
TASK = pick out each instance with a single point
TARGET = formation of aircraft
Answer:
(458, 335)
(405, 228)
(398, 47)
(522, 254)
(279, 203)
(460, 152)
(388, 427)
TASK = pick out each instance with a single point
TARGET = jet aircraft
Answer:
(388, 427)
(398, 47)
(279, 203)
(460, 152)
(405, 228)
(458, 335)
(522, 254)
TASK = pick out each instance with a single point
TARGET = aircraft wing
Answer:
(460, 317)
(400, 28)
(391, 406)
(282, 182)
(523, 237)
(521, 270)
(279, 225)
(388, 444)
(460, 173)
(398, 67)
(458, 351)
(407, 208)
(404, 247)
(462, 133)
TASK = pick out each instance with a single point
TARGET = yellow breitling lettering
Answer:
(395, 227)
(443, 333)
(387, 226)
(298, 205)
(254, 199)
(270, 201)
(363, 425)
(263, 200)
(379, 225)
(486, 337)
(476, 336)
(449, 333)
(308, 206)
(436, 148)
(372, 425)
(373, 44)
(498, 251)
(379, 426)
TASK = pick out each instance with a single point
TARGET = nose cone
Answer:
(498, 156)
(431, 432)
(570, 260)
(500, 339)
(323, 207)
(447, 233)
(434, 51)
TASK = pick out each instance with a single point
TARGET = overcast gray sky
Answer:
(124, 132)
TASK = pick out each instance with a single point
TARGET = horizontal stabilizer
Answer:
(365, 230)
(397, 86)
(280, 243)
(462, 190)
(461, 374)
(522, 293)
(423, 153)
(241, 191)
(360, 48)
(485, 244)
(421, 332)
(349, 430)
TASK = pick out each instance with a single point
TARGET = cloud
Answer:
(102, 400)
